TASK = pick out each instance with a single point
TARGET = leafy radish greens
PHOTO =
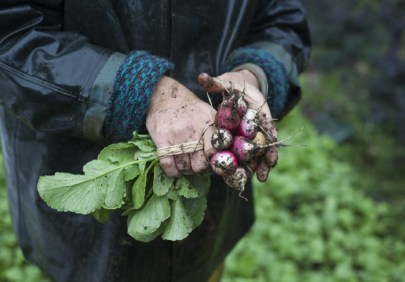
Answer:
(128, 176)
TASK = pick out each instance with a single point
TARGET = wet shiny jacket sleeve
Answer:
(282, 22)
(280, 27)
(45, 73)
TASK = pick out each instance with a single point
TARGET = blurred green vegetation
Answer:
(13, 266)
(357, 75)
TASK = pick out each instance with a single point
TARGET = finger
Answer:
(262, 170)
(251, 168)
(169, 166)
(199, 164)
(271, 156)
(267, 125)
(210, 84)
(183, 164)
(200, 160)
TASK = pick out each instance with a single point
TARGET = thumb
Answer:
(210, 84)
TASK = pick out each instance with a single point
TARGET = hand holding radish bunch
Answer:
(177, 116)
(239, 120)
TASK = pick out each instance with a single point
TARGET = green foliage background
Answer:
(13, 266)
(314, 222)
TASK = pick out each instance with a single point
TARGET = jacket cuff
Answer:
(275, 73)
(99, 97)
(281, 54)
(258, 72)
(134, 83)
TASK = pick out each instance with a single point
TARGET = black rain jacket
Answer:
(51, 52)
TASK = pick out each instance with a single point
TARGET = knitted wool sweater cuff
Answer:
(275, 72)
(134, 83)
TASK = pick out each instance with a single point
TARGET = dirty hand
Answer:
(177, 116)
(255, 99)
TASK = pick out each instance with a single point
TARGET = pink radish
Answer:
(241, 105)
(237, 180)
(243, 149)
(221, 139)
(227, 118)
(224, 163)
(248, 126)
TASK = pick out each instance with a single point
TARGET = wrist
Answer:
(250, 78)
(134, 84)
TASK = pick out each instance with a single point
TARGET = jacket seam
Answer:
(35, 80)
(97, 101)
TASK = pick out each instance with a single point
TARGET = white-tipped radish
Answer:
(221, 139)
(241, 105)
(224, 163)
(237, 180)
(244, 150)
(248, 126)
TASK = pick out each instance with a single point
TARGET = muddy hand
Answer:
(248, 81)
(177, 116)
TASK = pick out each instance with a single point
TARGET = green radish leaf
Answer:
(110, 176)
(202, 184)
(161, 182)
(147, 220)
(152, 236)
(102, 215)
(102, 184)
(129, 211)
(180, 224)
(185, 189)
(119, 205)
(181, 182)
(173, 194)
(131, 171)
(143, 142)
(146, 145)
(139, 136)
(138, 190)
(121, 153)
(139, 155)
(195, 208)
(122, 177)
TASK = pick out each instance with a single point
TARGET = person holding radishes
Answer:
(76, 76)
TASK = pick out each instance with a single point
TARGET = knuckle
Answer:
(177, 131)
(200, 165)
(200, 168)
(166, 163)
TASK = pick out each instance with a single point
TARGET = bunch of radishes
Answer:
(237, 139)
